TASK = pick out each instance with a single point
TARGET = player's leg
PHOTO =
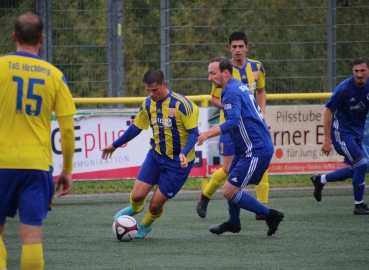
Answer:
(32, 257)
(169, 182)
(242, 174)
(35, 200)
(226, 149)
(3, 253)
(146, 179)
(319, 181)
(358, 184)
(262, 193)
(7, 203)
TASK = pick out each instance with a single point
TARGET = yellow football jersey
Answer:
(170, 120)
(252, 74)
(30, 90)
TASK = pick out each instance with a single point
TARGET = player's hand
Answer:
(183, 160)
(202, 138)
(107, 151)
(327, 147)
(65, 180)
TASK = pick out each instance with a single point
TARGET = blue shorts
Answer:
(349, 147)
(226, 147)
(165, 172)
(29, 191)
(248, 170)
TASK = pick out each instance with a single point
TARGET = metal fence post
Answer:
(115, 50)
(331, 44)
(164, 37)
(44, 11)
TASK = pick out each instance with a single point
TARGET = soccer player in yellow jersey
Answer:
(251, 73)
(173, 120)
(30, 90)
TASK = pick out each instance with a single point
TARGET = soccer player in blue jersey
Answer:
(30, 90)
(344, 121)
(253, 147)
(173, 120)
(251, 73)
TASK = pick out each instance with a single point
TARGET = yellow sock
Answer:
(136, 206)
(216, 180)
(3, 254)
(150, 218)
(32, 257)
(262, 190)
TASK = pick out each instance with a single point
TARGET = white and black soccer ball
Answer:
(125, 228)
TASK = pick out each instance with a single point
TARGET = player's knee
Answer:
(155, 208)
(228, 191)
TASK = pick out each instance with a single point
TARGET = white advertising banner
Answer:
(297, 135)
(296, 131)
(94, 130)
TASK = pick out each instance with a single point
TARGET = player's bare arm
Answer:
(261, 99)
(216, 102)
(64, 180)
(327, 145)
(183, 159)
(203, 136)
(107, 151)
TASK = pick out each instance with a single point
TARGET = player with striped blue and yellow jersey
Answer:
(173, 120)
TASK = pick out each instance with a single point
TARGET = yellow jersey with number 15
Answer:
(30, 90)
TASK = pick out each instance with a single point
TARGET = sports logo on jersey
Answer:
(234, 179)
(171, 112)
(359, 106)
(255, 74)
(244, 88)
(252, 86)
(170, 194)
(353, 99)
(158, 111)
(227, 106)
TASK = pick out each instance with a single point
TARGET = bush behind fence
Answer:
(305, 46)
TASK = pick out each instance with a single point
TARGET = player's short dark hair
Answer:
(224, 63)
(238, 36)
(154, 76)
(361, 60)
(28, 28)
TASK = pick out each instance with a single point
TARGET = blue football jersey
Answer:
(350, 105)
(251, 137)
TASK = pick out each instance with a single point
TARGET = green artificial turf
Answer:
(325, 235)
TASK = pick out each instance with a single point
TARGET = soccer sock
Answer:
(262, 189)
(234, 212)
(216, 180)
(249, 203)
(150, 218)
(3, 254)
(358, 181)
(136, 206)
(339, 175)
(32, 257)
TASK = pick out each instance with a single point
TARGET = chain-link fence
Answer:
(104, 47)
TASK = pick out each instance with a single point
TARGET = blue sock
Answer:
(358, 181)
(234, 212)
(249, 203)
(339, 175)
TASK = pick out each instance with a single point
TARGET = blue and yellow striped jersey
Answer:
(170, 120)
(30, 90)
(252, 74)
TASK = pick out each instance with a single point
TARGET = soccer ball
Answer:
(125, 228)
